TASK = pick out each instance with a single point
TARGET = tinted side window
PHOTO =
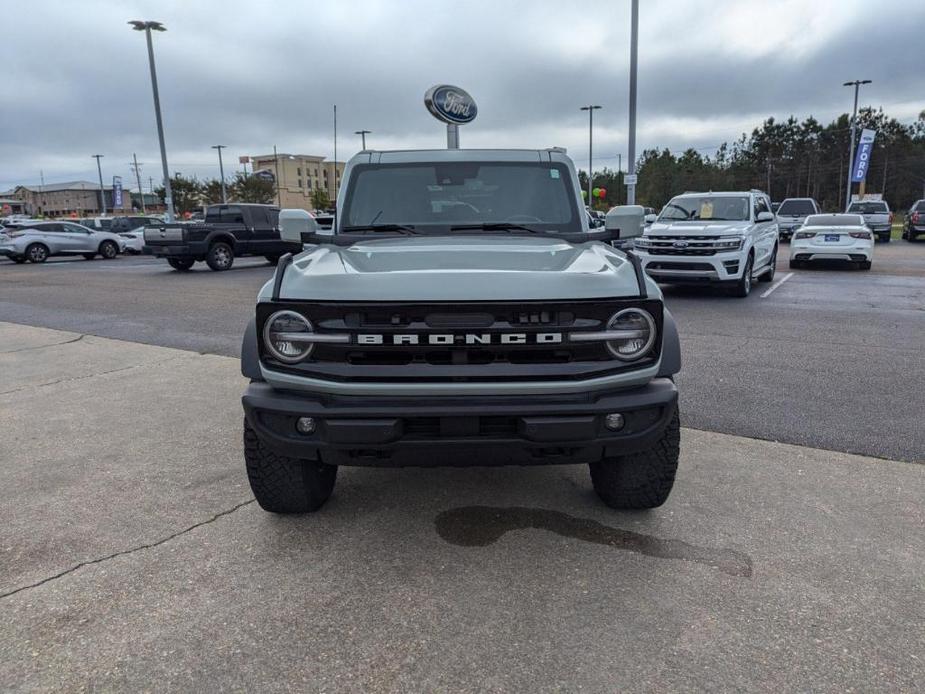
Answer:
(51, 226)
(920, 207)
(232, 215)
(258, 216)
(214, 214)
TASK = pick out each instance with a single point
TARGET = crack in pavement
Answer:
(124, 552)
(93, 375)
(54, 344)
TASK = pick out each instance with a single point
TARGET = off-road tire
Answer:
(640, 480)
(181, 264)
(768, 275)
(89, 256)
(108, 250)
(282, 484)
(37, 253)
(220, 256)
(743, 287)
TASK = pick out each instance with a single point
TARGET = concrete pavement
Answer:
(132, 556)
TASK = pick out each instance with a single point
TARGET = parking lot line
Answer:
(776, 285)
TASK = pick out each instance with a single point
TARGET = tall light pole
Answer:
(221, 170)
(590, 110)
(631, 148)
(99, 170)
(854, 117)
(141, 192)
(363, 134)
(148, 27)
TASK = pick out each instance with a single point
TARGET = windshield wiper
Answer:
(496, 226)
(403, 228)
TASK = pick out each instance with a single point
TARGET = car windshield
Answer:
(796, 208)
(920, 207)
(868, 207)
(707, 208)
(834, 220)
(458, 196)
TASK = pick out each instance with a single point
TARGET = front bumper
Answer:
(10, 252)
(465, 431)
(724, 266)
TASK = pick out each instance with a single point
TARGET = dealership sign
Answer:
(116, 191)
(862, 158)
(451, 104)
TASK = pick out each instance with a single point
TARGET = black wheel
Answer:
(272, 259)
(180, 264)
(864, 265)
(108, 250)
(905, 234)
(884, 238)
(89, 256)
(220, 256)
(795, 264)
(640, 480)
(37, 253)
(768, 275)
(743, 287)
(910, 236)
(282, 484)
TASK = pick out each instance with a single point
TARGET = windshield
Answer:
(868, 207)
(435, 197)
(706, 208)
(834, 220)
(796, 208)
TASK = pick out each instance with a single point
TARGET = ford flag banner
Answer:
(116, 191)
(862, 158)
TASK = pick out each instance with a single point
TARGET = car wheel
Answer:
(864, 265)
(911, 236)
(37, 253)
(272, 259)
(884, 238)
(89, 256)
(220, 256)
(640, 480)
(282, 484)
(180, 264)
(768, 275)
(108, 250)
(743, 286)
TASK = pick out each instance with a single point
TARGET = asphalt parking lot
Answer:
(831, 358)
(135, 558)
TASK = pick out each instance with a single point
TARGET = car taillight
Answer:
(860, 235)
(804, 234)
(915, 217)
(891, 217)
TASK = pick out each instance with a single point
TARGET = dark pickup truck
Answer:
(228, 232)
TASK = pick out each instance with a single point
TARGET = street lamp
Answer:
(99, 170)
(221, 170)
(631, 148)
(590, 110)
(363, 134)
(148, 27)
(854, 117)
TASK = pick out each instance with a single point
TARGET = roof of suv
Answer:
(426, 155)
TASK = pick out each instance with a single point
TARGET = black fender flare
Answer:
(222, 236)
(250, 354)
(671, 347)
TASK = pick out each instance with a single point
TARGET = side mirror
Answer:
(765, 217)
(293, 224)
(651, 218)
(625, 222)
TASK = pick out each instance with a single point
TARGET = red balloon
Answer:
(603, 193)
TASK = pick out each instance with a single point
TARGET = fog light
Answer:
(614, 421)
(305, 425)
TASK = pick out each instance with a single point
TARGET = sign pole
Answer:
(452, 136)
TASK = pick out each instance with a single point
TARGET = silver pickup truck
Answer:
(877, 217)
(460, 312)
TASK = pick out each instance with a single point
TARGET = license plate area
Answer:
(832, 238)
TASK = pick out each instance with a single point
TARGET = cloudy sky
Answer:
(253, 74)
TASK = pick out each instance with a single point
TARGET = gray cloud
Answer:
(250, 75)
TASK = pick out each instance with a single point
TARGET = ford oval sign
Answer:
(451, 104)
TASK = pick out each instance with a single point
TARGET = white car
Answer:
(36, 242)
(833, 237)
(724, 238)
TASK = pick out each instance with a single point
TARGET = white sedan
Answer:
(833, 237)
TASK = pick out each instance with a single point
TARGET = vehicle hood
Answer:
(697, 228)
(459, 269)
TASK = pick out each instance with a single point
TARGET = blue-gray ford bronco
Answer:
(460, 312)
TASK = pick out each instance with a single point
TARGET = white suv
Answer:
(729, 238)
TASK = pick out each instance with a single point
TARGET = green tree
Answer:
(250, 188)
(320, 199)
(212, 191)
(187, 193)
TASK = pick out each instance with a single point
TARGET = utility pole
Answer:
(137, 167)
(279, 197)
(590, 109)
(221, 170)
(634, 50)
(854, 117)
(147, 27)
(99, 170)
(363, 134)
